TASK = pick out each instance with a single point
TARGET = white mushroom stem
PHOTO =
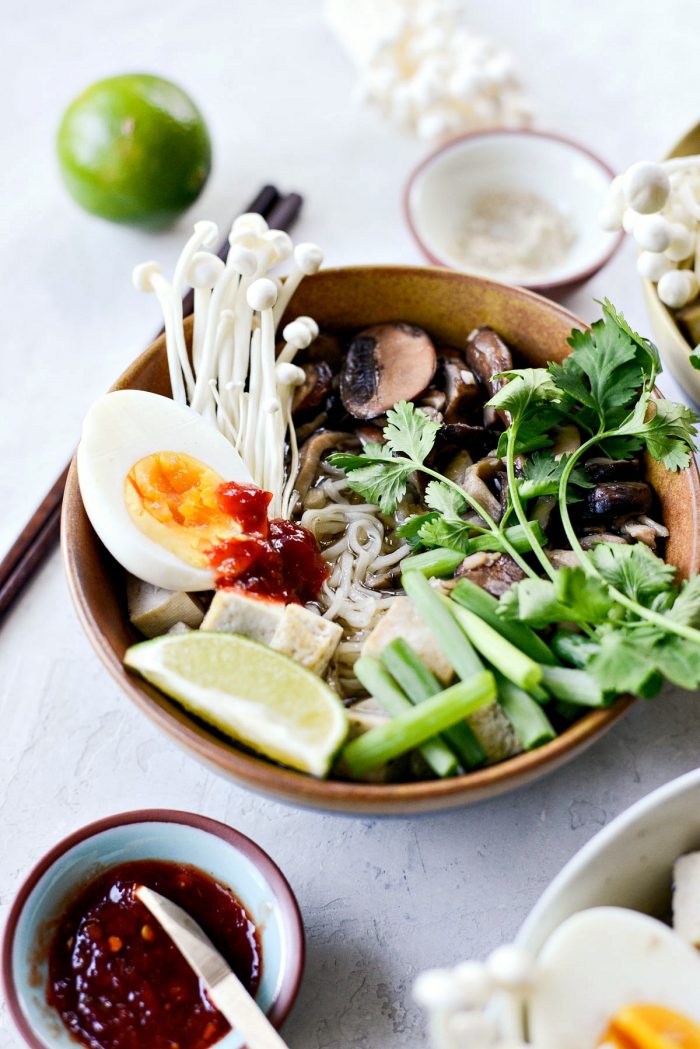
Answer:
(147, 277)
(204, 271)
(307, 260)
(205, 234)
(224, 355)
(297, 337)
(249, 451)
(288, 378)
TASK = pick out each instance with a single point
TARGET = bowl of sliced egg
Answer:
(622, 919)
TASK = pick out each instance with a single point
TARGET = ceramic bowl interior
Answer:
(448, 305)
(443, 189)
(219, 851)
(672, 343)
(628, 864)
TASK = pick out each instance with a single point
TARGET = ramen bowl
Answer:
(448, 305)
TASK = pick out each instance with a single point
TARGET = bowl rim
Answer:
(285, 901)
(470, 136)
(625, 820)
(265, 777)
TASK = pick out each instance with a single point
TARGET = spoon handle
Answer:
(244, 1014)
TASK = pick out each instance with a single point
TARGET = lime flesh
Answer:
(249, 692)
(134, 149)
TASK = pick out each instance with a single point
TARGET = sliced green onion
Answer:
(419, 683)
(573, 686)
(516, 535)
(420, 723)
(530, 723)
(379, 684)
(442, 624)
(512, 663)
(434, 563)
(485, 606)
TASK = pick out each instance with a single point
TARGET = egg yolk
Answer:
(651, 1027)
(173, 499)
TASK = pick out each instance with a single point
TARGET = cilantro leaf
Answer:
(669, 434)
(622, 665)
(686, 607)
(453, 534)
(572, 597)
(542, 475)
(694, 359)
(411, 528)
(525, 387)
(634, 570)
(679, 661)
(382, 482)
(652, 364)
(443, 498)
(409, 431)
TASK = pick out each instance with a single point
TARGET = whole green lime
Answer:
(134, 149)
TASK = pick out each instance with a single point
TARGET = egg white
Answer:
(601, 960)
(120, 429)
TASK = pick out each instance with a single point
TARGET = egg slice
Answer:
(614, 977)
(148, 470)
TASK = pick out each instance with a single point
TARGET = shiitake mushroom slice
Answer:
(385, 364)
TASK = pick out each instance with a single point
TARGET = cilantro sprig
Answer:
(381, 474)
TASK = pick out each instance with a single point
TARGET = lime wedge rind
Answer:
(250, 693)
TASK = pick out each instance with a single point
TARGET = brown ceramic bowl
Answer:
(449, 305)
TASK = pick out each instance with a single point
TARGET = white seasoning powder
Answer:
(513, 234)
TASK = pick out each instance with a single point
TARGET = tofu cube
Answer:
(403, 621)
(154, 611)
(235, 612)
(306, 638)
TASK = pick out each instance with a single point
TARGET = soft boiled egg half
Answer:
(149, 470)
(619, 979)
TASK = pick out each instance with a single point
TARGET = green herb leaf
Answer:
(694, 359)
(634, 570)
(542, 474)
(525, 387)
(679, 661)
(382, 483)
(621, 664)
(572, 597)
(453, 534)
(410, 529)
(686, 607)
(445, 499)
(409, 431)
(669, 434)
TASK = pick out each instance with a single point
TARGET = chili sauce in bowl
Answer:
(84, 963)
(119, 982)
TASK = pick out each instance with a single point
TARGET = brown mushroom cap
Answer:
(385, 364)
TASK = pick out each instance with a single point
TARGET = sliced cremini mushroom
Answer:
(562, 558)
(603, 469)
(385, 364)
(313, 450)
(615, 498)
(433, 398)
(312, 393)
(461, 390)
(638, 532)
(370, 434)
(593, 538)
(487, 354)
(474, 483)
(494, 572)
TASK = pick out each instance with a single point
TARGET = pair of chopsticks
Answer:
(38, 536)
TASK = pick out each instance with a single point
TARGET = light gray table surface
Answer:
(381, 899)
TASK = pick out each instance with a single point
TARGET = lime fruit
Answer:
(249, 692)
(134, 149)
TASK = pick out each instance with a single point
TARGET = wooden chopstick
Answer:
(42, 530)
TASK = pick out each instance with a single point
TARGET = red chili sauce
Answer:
(119, 982)
(276, 559)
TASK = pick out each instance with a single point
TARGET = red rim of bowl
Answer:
(281, 890)
(553, 136)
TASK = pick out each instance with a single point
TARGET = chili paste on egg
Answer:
(119, 982)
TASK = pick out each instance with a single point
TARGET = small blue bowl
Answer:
(151, 834)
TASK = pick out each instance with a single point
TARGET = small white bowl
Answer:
(628, 864)
(561, 172)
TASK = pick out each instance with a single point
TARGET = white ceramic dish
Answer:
(628, 864)
(565, 174)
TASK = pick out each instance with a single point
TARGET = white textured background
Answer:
(380, 899)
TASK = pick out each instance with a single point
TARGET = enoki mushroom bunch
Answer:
(659, 204)
(425, 70)
(234, 377)
(458, 1001)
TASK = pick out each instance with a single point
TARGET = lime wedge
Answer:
(249, 692)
